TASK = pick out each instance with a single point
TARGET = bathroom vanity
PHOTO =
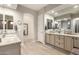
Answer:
(64, 32)
(10, 45)
(67, 42)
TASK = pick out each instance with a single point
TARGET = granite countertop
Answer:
(71, 35)
(9, 39)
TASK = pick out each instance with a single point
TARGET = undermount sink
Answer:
(8, 37)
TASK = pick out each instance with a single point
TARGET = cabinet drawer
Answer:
(61, 37)
(56, 36)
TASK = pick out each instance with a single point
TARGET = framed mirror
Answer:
(25, 30)
(1, 21)
(49, 23)
(8, 22)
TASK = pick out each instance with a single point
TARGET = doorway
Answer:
(28, 30)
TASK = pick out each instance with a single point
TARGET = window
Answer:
(1, 21)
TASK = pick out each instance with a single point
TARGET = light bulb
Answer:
(11, 22)
(76, 6)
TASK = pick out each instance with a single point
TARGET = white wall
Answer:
(41, 29)
(29, 19)
(41, 35)
(25, 10)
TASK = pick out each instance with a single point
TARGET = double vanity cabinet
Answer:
(64, 41)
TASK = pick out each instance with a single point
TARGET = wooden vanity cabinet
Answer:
(57, 40)
(76, 42)
(47, 37)
(68, 43)
(52, 39)
(62, 41)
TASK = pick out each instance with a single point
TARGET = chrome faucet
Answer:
(4, 34)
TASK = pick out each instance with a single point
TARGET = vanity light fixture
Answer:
(76, 6)
(11, 22)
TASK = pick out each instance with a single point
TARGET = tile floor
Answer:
(35, 48)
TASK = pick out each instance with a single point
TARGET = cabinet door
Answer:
(57, 41)
(47, 38)
(57, 44)
(68, 43)
(76, 42)
(61, 41)
(52, 39)
(61, 45)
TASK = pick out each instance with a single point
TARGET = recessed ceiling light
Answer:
(53, 11)
(9, 5)
(76, 6)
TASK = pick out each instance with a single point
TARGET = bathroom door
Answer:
(30, 34)
(41, 30)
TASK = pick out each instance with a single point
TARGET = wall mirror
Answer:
(25, 29)
(9, 22)
(1, 21)
(49, 24)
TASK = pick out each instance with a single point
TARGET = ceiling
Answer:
(12, 6)
(35, 7)
(64, 9)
